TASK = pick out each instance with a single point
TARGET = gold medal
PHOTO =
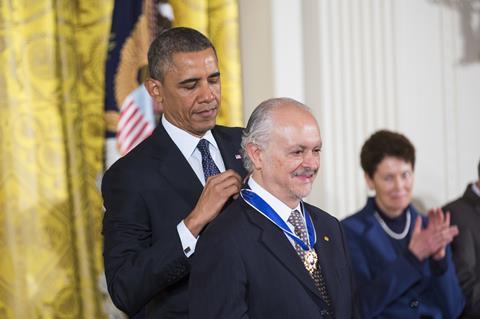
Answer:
(310, 260)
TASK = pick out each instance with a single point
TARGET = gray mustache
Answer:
(305, 171)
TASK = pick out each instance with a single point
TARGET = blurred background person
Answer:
(465, 213)
(401, 260)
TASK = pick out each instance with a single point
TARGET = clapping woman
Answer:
(401, 260)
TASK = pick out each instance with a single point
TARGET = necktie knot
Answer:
(208, 165)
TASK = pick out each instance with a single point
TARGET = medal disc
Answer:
(311, 260)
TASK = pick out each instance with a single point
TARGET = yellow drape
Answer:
(52, 56)
(218, 19)
(51, 139)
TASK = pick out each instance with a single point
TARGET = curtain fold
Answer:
(52, 56)
(51, 139)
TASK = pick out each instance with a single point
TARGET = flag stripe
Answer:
(137, 138)
(125, 113)
(131, 125)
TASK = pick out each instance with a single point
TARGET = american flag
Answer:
(137, 120)
(128, 118)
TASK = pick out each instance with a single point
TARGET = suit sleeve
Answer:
(354, 302)
(447, 292)
(136, 267)
(217, 284)
(374, 293)
(465, 259)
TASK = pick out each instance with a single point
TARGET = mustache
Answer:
(305, 172)
(207, 108)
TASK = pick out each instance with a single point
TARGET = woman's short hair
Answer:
(385, 143)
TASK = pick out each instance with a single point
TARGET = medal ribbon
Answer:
(256, 202)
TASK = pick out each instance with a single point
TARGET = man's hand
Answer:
(218, 189)
(432, 241)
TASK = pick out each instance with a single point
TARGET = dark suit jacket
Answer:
(465, 213)
(146, 194)
(245, 267)
(391, 283)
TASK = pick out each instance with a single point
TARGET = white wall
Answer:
(369, 64)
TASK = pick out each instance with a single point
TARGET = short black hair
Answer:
(385, 143)
(170, 41)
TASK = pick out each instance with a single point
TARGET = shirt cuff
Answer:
(188, 240)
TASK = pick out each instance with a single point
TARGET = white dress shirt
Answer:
(187, 144)
(475, 189)
(277, 205)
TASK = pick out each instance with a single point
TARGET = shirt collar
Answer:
(475, 189)
(186, 142)
(277, 205)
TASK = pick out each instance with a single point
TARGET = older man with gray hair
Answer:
(270, 255)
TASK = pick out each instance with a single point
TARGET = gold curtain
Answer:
(52, 57)
(218, 19)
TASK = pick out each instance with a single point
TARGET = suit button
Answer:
(414, 303)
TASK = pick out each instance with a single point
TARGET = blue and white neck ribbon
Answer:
(257, 203)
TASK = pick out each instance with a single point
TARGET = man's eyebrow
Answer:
(214, 75)
(190, 80)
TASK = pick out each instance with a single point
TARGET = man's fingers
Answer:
(231, 190)
(227, 183)
(219, 178)
(219, 189)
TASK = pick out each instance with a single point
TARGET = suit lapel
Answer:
(280, 247)
(471, 197)
(175, 168)
(326, 256)
(231, 157)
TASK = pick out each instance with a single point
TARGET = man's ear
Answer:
(154, 89)
(254, 152)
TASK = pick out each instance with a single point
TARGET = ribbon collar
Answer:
(257, 203)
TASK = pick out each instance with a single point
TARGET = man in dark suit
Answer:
(465, 213)
(269, 255)
(160, 196)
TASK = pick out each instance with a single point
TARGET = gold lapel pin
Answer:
(326, 238)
